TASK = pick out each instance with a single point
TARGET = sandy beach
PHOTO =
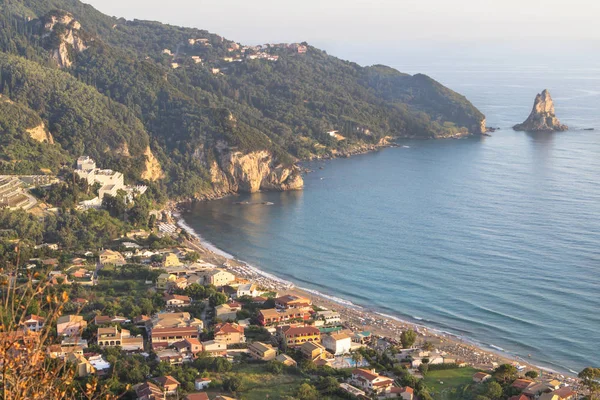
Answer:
(359, 318)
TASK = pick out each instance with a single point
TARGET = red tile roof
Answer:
(166, 380)
(228, 328)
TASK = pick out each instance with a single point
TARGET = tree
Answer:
(428, 346)
(328, 385)
(306, 391)
(408, 338)
(505, 372)
(590, 377)
(217, 299)
(493, 390)
(424, 368)
(356, 358)
(531, 374)
(233, 383)
(275, 367)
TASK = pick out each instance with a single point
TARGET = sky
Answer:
(360, 29)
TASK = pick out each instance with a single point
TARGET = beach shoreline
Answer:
(361, 318)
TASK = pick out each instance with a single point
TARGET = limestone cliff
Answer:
(63, 37)
(41, 134)
(233, 171)
(542, 117)
(153, 170)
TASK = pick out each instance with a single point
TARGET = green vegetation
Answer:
(452, 380)
(121, 95)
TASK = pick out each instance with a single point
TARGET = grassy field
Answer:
(451, 378)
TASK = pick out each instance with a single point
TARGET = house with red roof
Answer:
(297, 335)
(229, 333)
(371, 381)
(168, 384)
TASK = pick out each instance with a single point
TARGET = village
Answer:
(209, 311)
(204, 326)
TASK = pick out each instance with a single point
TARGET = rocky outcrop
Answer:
(63, 36)
(152, 171)
(542, 117)
(234, 171)
(41, 134)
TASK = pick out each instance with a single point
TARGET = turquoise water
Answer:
(496, 239)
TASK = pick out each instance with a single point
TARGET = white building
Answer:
(337, 343)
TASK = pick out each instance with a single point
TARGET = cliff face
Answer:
(63, 37)
(153, 170)
(41, 134)
(542, 117)
(233, 171)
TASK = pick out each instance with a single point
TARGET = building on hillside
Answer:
(262, 351)
(248, 289)
(202, 383)
(216, 277)
(70, 325)
(168, 384)
(313, 351)
(106, 320)
(83, 367)
(163, 279)
(171, 260)
(329, 317)
(215, 348)
(111, 257)
(229, 333)
(405, 393)
(188, 348)
(111, 336)
(165, 337)
(337, 343)
(111, 182)
(174, 320)
(371, 381)
(197, 396)
(227, 312)
(521, 384)
(33, 323)
(273, 316)
(286, 360)
(149, 391)
(480, 377)
(294, 336)
(291, 301)
(175, 300)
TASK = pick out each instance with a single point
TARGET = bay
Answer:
(496, 239)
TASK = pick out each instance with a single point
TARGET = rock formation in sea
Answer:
(542, 117)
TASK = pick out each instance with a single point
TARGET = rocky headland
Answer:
(542, 117)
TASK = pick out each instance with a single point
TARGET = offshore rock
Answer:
(542, 117)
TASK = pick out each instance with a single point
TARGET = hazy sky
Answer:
(355, 26)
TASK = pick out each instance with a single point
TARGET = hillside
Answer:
(202, 115)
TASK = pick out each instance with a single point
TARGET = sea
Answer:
(493, 239)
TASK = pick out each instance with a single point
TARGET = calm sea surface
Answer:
(496, 239)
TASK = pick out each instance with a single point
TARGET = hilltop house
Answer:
(214, 348)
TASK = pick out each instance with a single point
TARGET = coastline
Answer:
(359, 318)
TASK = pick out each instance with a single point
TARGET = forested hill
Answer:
(193, 112)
